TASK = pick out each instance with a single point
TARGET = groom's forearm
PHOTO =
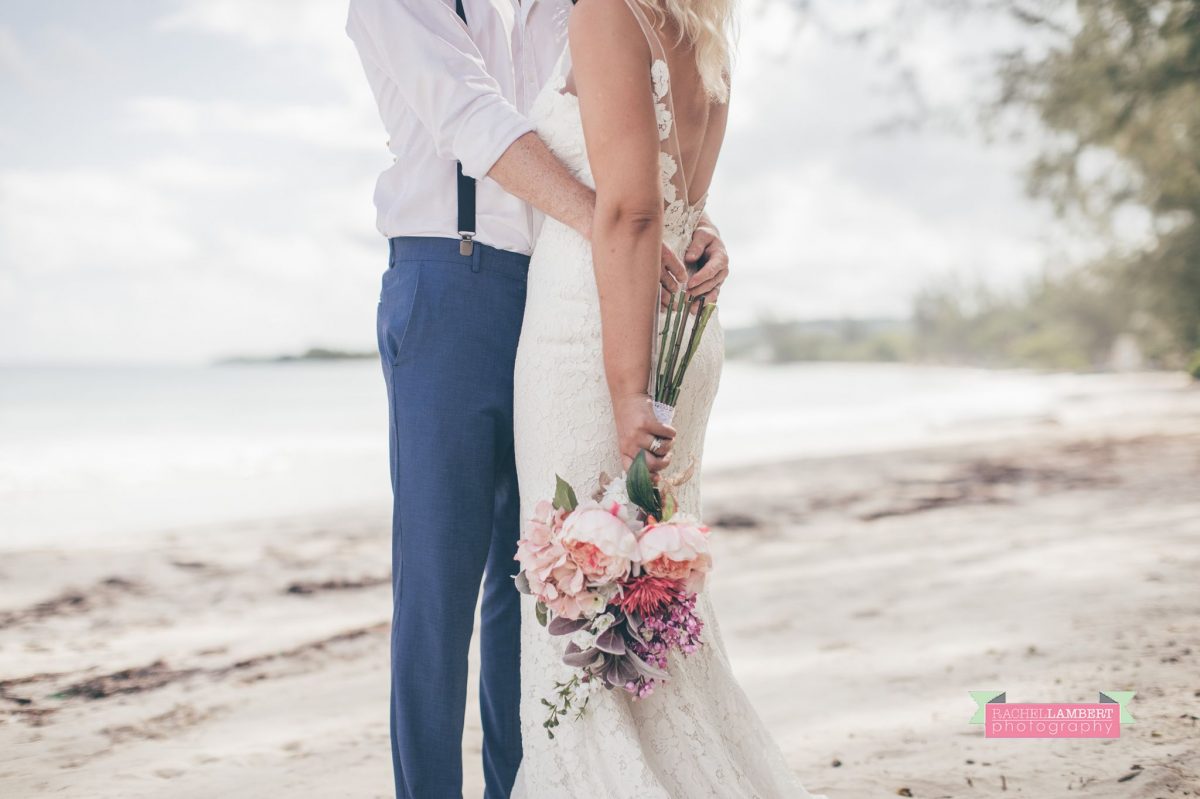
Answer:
(529, 171)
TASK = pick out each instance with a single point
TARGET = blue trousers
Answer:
(448, 326)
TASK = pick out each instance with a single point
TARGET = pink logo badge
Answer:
(1052, 720)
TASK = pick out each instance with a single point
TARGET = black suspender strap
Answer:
(466, 187)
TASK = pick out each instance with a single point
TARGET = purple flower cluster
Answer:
(676, 627)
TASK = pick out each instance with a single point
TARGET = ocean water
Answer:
(110, 455)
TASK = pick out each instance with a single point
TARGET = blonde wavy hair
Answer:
(708, 25)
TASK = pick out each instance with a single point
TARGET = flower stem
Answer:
(681, 315)
(660, 376)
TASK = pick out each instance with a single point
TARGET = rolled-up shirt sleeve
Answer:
(425, 49)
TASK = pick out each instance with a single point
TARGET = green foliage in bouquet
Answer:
(642, 492)
(641, 488)
(564, 495)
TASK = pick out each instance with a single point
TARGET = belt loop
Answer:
(391, 253)
(476, 258)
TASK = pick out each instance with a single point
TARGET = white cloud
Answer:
(15, 61)
(340, 115)
(316, 27)
(261, 23)
(825, 218)
(119, 265)
(179, 172)
(335, 126)
(55, 223)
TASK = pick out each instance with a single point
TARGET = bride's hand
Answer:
(708, 253)
(637, 429)
(674, 275)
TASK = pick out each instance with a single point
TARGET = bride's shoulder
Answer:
(607, 24)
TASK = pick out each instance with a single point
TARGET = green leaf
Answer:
(564, 495)
(641, 490)
(541, 611)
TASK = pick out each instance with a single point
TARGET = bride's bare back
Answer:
(699, 119)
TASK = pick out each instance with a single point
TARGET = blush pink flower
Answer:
(553, 577)
(540, 529)
(599, 541)
(677, 550)
(585, 603)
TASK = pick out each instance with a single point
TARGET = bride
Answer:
(637, 109)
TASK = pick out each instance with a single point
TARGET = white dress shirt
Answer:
(451, 93)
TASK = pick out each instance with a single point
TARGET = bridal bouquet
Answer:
(618, 574)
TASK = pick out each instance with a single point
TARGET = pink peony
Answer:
(549, 569)
(677, 550)
(599, 541)
(553, 577)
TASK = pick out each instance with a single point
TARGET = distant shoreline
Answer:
(320, 354)
(866, 340)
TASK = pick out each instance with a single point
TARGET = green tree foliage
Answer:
(1068, 322)
(1118, 88)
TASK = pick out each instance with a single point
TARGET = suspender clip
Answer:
(466, 189)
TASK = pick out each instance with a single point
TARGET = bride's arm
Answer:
(611, 62)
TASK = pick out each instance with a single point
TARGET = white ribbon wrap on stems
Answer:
(664, 413)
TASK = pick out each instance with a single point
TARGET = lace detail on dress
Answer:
(679, 218)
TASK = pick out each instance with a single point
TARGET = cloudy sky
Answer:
(184, 179)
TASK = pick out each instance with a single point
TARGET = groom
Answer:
(454, 83)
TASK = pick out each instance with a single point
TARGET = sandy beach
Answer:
(861, 597)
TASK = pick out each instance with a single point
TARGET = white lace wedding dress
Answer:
(697, 736)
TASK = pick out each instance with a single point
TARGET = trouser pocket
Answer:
(397, 308)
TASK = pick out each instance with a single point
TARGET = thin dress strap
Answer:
(675, 188)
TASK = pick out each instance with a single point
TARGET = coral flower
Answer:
(677, 550)
(647, 595)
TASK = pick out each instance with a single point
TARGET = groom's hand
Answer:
(708, 252)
